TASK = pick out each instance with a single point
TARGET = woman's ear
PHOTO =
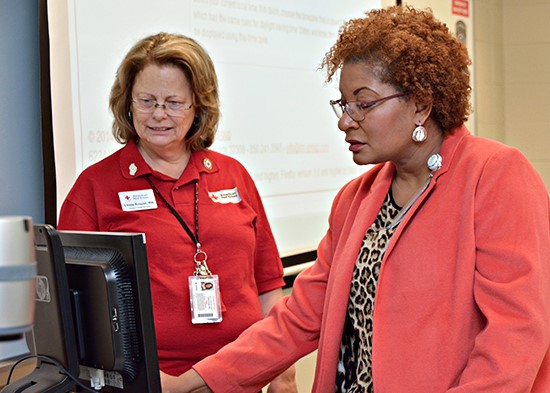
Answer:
(423, 111)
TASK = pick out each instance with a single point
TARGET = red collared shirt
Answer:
(233, 231)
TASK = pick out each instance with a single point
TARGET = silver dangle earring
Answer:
(419, 133)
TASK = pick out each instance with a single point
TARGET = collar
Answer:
(447, 151)
(132, 165)
(386, 170)
(449, 146)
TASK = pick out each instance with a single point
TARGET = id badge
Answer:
(204, 292)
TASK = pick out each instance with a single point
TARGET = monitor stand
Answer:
(46, 378)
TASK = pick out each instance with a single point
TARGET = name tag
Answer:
(137, 200)
(225, 196)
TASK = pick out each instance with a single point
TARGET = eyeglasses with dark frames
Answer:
(356, 109)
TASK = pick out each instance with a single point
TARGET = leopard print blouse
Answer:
(354, 367)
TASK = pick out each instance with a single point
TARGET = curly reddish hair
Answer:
(413, 51)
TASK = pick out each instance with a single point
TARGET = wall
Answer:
(21, 184)
(513, 59)
(511, 49)
(489, 66)
(525, 35)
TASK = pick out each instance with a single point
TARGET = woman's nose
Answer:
(159, 112)
(346, 122)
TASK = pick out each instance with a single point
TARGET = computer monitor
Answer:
(97, 319)
(108, 279)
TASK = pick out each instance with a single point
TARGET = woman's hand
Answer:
(284, 383)
(188, 382)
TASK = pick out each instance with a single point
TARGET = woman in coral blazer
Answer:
(434, 275)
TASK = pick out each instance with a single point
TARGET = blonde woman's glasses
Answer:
(171, 107)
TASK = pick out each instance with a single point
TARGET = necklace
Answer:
(434, 163)
(409, 203)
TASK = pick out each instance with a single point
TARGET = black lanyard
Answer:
(194, 238)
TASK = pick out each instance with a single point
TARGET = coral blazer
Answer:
(463, 297)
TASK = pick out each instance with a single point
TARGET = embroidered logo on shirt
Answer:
(225, 196)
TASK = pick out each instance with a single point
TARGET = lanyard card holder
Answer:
(204, 287)
(204, 292)
(205, 299)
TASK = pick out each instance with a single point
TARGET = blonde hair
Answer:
(190, 57)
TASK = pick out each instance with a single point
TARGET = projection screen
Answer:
(275, 114)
